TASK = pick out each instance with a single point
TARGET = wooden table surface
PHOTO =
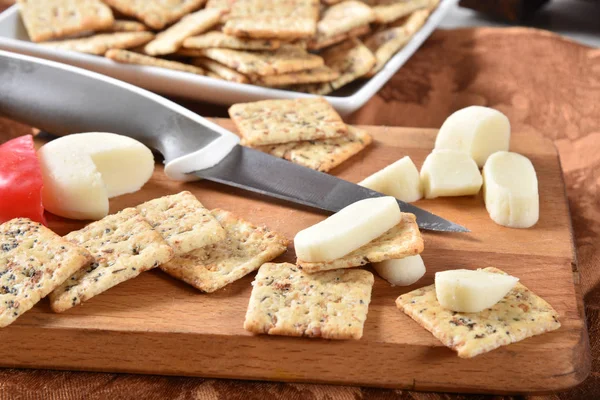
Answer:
(544, 83)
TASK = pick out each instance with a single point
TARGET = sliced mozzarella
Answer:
(511, 190)
(401, 272)
(450, 173)
(400, 179)
(347, 230)
(478, 131)
(465, 290)
(82, 171)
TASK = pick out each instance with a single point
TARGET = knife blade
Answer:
(62, 99)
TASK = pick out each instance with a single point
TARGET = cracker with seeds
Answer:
(54, 19)
(519, 315)
(271, 28)
(282, 121)
(331, 305)
(275, 8)
(170, 40)
(220, 70)
(322, 155)
(320, 42)
(222, 4)
(123, 245)
(122, 25)
(130, 57)
(155, 13)
(281, 61)
(320, 74)
(244, 250)
(320, 89)
(351, 59)
(182, 221)
(101, 43)
(343, 17)
(387, 11)
(385, 44)
(401, 241)
(33, 262)
(217, 39)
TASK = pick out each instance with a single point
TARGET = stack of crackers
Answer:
(300, 45)
(308, 132)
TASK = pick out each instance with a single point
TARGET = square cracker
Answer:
(101, 43)
(282, 121)
(52, 19)
(271, 27)
(319, 74)
(33, 262)
(295, 9)
(130, 57)
(182, 221)
(216, 39)
(322, 155)
(168, 41)
(385, 44)
(244, 250)
(343, 17)
(284, 60)
(123, 25)
(401, 241)
(220, 70)
(387, 11)
(519, 315)
(123, 246)
(351, 59)
(320, 41)
(155, 13)
(286, 301)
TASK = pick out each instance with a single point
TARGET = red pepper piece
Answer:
(20, 181)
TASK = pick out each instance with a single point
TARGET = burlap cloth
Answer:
(543, 82)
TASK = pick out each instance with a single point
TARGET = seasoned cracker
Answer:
(222, 4)
(343, 17)
(244, 250)
(53, 19)
(155, 13)
(217, 39)
(415, 21)
(286, 301)
(401, 241)
(282, 121)
(170, 40)
(320, 41)
(122, 25)
(519, 315)
(220, 70)
(101, 43)
(320, 74)
(123, 245)
(129, 57)
(275, 8)
(351, 59)
(33, 262)
(182, 221)
(281, 61)
(322, 155)
(387, 11)
(271, 28)
(385, 44)
(320, 89)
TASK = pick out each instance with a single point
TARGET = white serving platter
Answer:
(13, 37)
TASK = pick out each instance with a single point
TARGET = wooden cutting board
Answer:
(155, 324)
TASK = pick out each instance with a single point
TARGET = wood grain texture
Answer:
(155, 324)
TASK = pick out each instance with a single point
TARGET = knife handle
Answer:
(61, 99)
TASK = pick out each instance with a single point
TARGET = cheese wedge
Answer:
(511, 190)
(347, 230)
(400, 179)
(478, 131)
(401, 272)
(450, 173)
(82, 171)
(464, 290)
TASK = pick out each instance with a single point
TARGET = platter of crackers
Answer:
(224, 51)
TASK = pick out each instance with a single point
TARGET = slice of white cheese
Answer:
(401, 272)
(347, 230)
(478, 131)
(450, 173)
(465, 290)
(82, 171)
(400, 179)
(510, 190)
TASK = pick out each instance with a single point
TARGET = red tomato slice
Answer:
(20, 181)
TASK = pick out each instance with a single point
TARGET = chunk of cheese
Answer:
(450, 173)
(347, 230)
(477, 131)
(510, 190)
(401, 272)
(465, 290)
(82, 171)
(400, 179)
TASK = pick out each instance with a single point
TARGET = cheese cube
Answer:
(401, 272)
(450, 173)
(400, 179)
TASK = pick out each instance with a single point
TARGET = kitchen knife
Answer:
(62, 99)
